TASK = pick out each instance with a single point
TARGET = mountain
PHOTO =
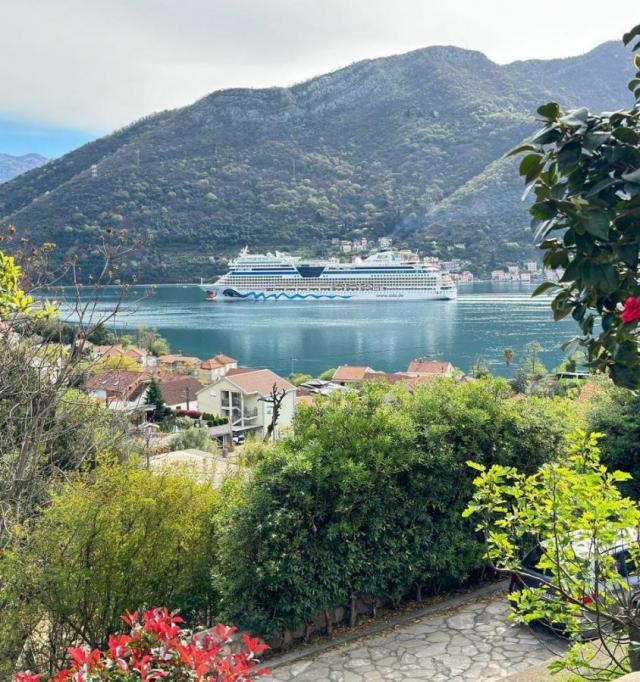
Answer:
(409, 145)
(10, 166)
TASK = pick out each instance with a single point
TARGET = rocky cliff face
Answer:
(409, 144)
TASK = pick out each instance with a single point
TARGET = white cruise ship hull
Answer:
(380, 277)
(235, 295)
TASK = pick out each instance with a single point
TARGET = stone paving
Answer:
(474, 642)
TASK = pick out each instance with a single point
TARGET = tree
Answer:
(530, 364)
(112, 539)
(152, 341)
(117, 361)
(193, 438)
(480, 369)
(572, 513)
(38, 415)
(508, 356)
(297, 379)
(584, 170)
(154, 397)
(327, 375)
(616, 412)
(520, 382)
(275, 399)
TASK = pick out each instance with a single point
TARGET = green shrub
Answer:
(366, 498)
(117, 538)
(192, 438)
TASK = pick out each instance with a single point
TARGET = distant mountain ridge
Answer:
(409, 145)
(11, 166)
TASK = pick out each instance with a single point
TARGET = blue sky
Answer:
(23, 137)
(73, 69)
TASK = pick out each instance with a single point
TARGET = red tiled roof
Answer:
(116, 381)
(134, 352)
(430, 367)
(240, 370)
(224, 359)
(351, 373)
(212, 363)
(175, 390)
(259, 381)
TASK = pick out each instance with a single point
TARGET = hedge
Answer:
(365, 500)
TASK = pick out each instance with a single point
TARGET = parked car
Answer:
(531, 576)
(238, 439)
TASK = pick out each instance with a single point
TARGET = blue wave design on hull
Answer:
(261, 296)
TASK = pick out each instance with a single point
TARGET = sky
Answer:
(71, 70)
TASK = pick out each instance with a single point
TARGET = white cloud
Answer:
(99, 64)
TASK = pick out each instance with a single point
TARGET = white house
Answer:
(240, 396)
(216, 367)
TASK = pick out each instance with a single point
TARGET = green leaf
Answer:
(530, 166)
(547, 135)
(599, 186)
(550, 111)
(544, 210)
(541, 288)
(597, 224)
(474, 465)
(626, 135)
(522, 148)
(569, 155)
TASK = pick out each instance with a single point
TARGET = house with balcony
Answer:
(242, 396)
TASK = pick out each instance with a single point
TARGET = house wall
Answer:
(210, 400)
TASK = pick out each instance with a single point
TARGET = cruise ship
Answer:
(279, 277)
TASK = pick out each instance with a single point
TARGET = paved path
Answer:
(474, 642)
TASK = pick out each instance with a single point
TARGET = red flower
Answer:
(157, 649)
(631, 310)
(27, 677)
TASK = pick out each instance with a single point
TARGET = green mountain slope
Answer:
(407, 145)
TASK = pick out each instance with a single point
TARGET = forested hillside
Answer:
(408, 146)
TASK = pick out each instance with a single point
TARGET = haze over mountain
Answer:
(11, 165)
(409, 145)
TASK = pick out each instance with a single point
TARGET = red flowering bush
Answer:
(194, 414)
(157, 648)
(631, 310)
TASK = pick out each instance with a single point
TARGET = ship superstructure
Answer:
(280, 277)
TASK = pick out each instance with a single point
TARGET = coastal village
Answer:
(240, 399)
(458, 267)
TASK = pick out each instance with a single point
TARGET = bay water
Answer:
(309, 337)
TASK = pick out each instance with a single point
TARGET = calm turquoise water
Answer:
(310, 337)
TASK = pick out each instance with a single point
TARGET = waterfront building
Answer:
(385, 242)
(423, 366)
(351, 374)
(531, 266)
(498, 275)
(216, 367)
